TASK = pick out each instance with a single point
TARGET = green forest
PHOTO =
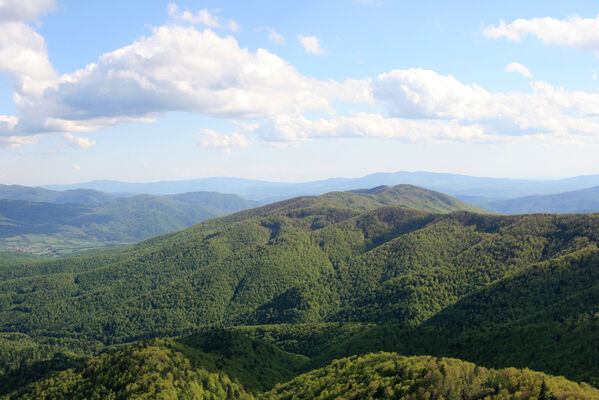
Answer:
(365, 294)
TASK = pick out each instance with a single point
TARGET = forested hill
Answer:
(308, 259)
(332, 276)
(168, 369)
(390, 376)
(63, 229)
(415, 198)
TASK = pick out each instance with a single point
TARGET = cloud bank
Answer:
(187, 65)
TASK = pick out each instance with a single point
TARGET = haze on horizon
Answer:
(287, 92)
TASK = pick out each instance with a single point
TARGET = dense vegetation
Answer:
(145, 371)
(313, 279)
(17, 258)
(63, 229)
(390, 376)
(231, 367)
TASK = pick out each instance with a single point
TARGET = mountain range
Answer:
(578, 201)
(264, 191)
(295, 285)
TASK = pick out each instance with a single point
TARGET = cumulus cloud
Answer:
(178, 69)
(425, 94)
(519, 68)
(311, 44)
(23, 53)
(275, 36)
(424, 106)
(577, 32)
(24, 58)
(78, 142)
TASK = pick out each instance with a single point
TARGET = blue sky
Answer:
(296, 90)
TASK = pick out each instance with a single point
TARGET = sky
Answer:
(296, 90)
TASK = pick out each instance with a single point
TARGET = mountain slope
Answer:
(303, 260)
(345, 260)
(556, 290)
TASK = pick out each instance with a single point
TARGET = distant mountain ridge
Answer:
(53, 228)
(264, 191)
(579, 201)
(42, 195)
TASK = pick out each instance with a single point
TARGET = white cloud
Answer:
(417, 93)
(519, 68)
(78, 142)
(311, 44)
(424, 106)
(577, 32)
(24, 58)
(275, 36)
(213, 139)
(183, 69)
